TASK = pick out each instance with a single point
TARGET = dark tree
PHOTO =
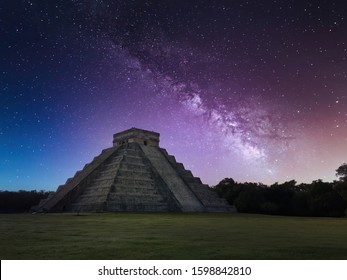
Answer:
(228, 189)
(325, 201)
(300, 201)
(280, 195)
(20, 201)
(316, 199)
(250, 199)
(341, 188)
(342, 172)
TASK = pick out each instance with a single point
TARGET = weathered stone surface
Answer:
(134, 175)
(136, 135)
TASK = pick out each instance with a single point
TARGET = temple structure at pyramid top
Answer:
(134, 175)
(135, 135)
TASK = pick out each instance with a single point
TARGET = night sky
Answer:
(253, 90)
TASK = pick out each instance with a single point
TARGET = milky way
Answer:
(253, 90)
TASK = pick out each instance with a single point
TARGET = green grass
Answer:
(170, 236)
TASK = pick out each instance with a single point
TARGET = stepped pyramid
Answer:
(134, 175)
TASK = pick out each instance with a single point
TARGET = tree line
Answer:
(20, 201)
(316, 199)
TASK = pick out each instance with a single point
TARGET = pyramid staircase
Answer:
(134, 189)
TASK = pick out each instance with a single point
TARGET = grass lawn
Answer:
(170, 236)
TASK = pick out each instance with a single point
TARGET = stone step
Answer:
(68, 180)
(98, 187)
(133, 174)
(187, 174)
(193, 180)
(105, 179)
(60, 188)
(180, 166)
(99, 184)
(87, 207)
(86, 165)
(172, 159)
(107, 173)
(139, 207)
(131, 152)
(96, 193)
(130, 201)
(135, 167)
(208, 197)
(89, 202)
(164, 151)
(93, 191)
(111, 165)
(94, 188)
(134, 192)
(137, 156)
(133, 159)
(132, 181)
(77, 173)
(137, 202)
(134, 188)
(115, 159)
(144, 195)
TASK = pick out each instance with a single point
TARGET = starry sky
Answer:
(253, 90)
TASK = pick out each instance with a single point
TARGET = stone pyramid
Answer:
(134, 175)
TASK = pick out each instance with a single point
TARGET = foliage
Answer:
(249, 199)
(324, 200)
(20, 201)
(316, 199)
(342, 172)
